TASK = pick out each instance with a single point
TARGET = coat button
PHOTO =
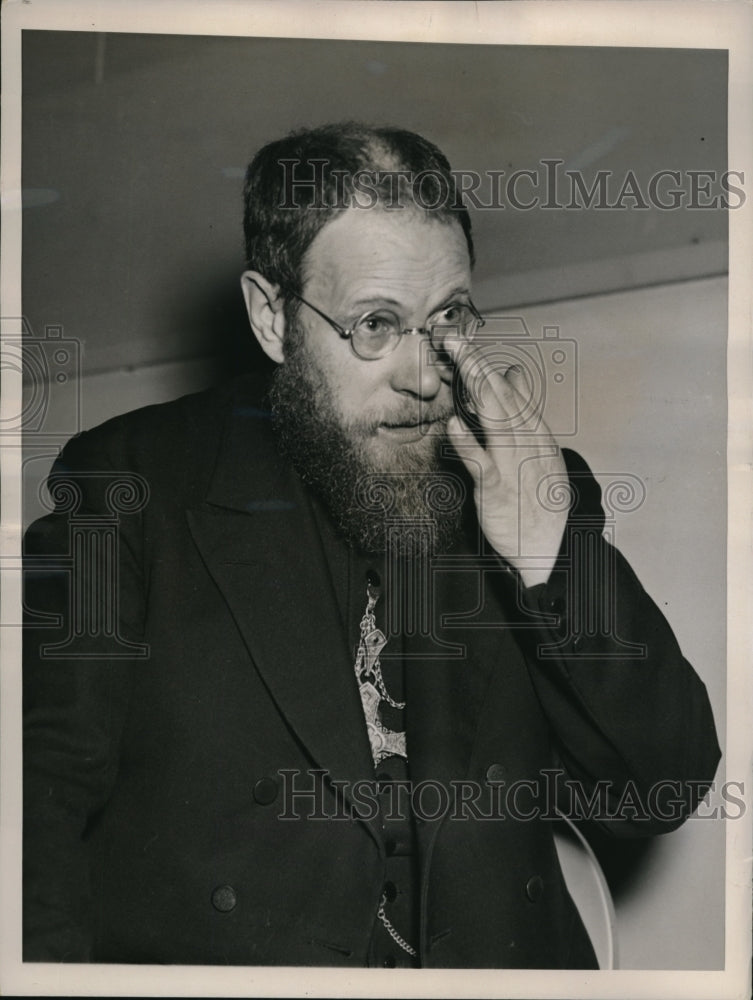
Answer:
(224, 898)
(389, 962)
(495, 773)
(535, 888)
(557, 606)
(372, 578)
(390, 891)
(265, 791)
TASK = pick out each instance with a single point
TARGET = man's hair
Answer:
(296, 185)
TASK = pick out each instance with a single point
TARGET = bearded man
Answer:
(341, 622)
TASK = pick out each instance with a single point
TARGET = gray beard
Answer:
(413, 507)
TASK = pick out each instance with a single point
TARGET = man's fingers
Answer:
(492, 385)
(518, 379)
(498, 394)
(465, 444)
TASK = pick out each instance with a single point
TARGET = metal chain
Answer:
(391, 930)
(368, 622)
(382, 689)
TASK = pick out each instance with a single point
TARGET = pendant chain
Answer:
(368, 627)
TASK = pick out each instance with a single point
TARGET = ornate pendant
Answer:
(384, 742)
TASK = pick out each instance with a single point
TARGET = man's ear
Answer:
(266, 314)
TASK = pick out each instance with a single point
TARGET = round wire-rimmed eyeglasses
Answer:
(378, 332)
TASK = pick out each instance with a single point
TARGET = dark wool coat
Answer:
(161, 737)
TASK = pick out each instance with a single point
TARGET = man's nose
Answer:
(418, 368)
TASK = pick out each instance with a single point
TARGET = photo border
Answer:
(654, 23)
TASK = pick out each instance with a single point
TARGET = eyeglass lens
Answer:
(377, 334)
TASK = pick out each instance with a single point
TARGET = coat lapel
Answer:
(259, 541)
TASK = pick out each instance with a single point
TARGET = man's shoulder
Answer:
(175, 441)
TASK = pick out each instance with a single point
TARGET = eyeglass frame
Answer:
(411, 330)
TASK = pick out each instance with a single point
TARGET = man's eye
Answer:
(377, 324)
(451, 315)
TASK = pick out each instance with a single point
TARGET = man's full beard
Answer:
(408, 501)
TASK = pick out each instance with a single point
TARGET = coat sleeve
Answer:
(631, 720)
(82, 632)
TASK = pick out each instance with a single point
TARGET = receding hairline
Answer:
(408, 211)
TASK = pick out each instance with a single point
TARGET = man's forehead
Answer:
(382, 252)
